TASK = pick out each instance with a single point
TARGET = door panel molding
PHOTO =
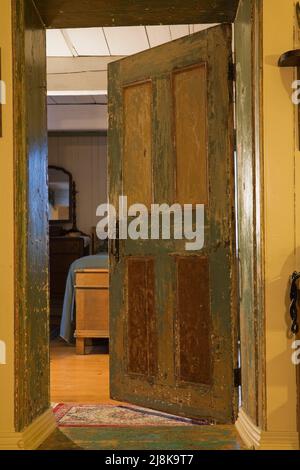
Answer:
(191, 168)
(193, 321)
(138, 148)
(141, 317)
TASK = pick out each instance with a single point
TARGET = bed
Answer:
(89, 263)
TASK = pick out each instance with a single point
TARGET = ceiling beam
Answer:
(97, 13)
(69, 43)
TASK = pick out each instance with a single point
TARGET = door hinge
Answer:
(232, 72)
(237, 377)
(234, 140)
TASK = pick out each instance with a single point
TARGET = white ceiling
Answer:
(117, 41)
(77, 60)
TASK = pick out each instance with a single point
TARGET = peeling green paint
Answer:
(31, 209)
(166, 392)
(249, 185)
(163, 438)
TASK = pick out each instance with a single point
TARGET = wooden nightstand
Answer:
(92, 306)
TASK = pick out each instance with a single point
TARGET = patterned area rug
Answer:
(76, 415)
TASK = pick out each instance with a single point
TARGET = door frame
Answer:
(23, 258)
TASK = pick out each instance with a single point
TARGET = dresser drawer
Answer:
(90, 278)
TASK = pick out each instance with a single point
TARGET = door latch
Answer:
(294, 300)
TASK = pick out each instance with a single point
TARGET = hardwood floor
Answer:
(85, 379)
(79, 379)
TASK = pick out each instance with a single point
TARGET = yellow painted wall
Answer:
(282, 217)
(6, 228)
(282, 222)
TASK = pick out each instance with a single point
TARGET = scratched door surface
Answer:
(173, 311)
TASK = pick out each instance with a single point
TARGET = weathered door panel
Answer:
(173, 311)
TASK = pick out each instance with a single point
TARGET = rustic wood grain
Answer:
(137, 161)
(194, 320)
(190, 109)
(165, 391)
(31, 222)
(250, 209)
(142, 340)
(93, 13)
(92, 306)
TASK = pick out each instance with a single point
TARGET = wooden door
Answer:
(172, 311)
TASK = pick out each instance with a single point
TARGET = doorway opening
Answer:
(78, 179)
(78, 182)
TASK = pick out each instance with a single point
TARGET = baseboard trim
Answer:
(32, 437)
(255, 438)
(250, 433)
(279, 440)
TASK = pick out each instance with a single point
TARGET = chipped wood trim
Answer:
(250, 16)
(31, 296)
(72, 14)
(259, 188)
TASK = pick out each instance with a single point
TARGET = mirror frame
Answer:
(69, 221)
